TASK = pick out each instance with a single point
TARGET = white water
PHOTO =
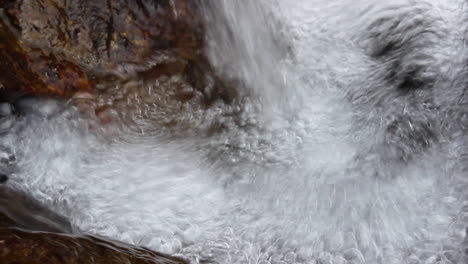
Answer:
(307, 171)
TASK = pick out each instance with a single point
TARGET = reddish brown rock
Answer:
(22, 247)
(30, 70)
(104, 34)
(111, 56)
(138, 58)
(55, 47)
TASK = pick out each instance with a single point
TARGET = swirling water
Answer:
(348, 145)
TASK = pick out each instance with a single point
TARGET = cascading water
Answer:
(347, 143)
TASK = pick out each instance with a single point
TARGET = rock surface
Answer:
(59, 47)
(18, 246)
(140, 59)
(17, 209)
(41, 246)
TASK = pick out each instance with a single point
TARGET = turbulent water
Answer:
(347, 146)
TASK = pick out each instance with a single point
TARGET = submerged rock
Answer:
(18, 246)
(18, 210)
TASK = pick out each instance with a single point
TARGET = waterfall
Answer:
(346, 144)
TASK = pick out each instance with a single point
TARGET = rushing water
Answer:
(348, 145)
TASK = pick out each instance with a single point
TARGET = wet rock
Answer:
(18, 246)
(106, 34)
(57, 47)
(40, 246)
(27, 69)
(5, 221)
(23, 211)
(109, 50)
(141, 59)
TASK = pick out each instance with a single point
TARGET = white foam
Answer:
(297, 184)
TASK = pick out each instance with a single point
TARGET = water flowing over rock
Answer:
(18, 246)
(79, 49)
(241, 131)
(40, 246)
(18, 209)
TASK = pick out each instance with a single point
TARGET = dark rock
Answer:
(18, 246)
(3, 178)
(23, 211)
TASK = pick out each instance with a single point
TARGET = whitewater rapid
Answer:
(324, 159)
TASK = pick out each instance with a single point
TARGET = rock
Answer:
(58, 47)
(20, 210)
(3, 178)
(141, 59)
(110, 51)
(43, 246)
(27, 69)
(103, 35)
(6, 222)
(18, 246)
